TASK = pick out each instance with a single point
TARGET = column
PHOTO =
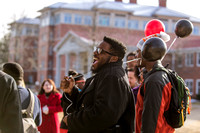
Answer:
(57, 77)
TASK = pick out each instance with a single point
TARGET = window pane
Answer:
(133, 24)
(144, 24)
(68, 18)
(198, 87)
(195, 30)
(189, 59)
(198, 59)
(189, 83)
(120, 22)
(78, 19)
(104, 20)
(88, 20)
(57, 18)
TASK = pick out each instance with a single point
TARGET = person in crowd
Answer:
(10, 107)
(63, 126)
(72, 73)
(50, 99)
(131, 65)
(154, 95)
(134, 80)
(79, 81)
(106, 103)
(16, 71)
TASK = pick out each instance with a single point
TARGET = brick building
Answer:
(23, 46)
(68, 33)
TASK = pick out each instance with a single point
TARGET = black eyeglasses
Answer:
(99, 50)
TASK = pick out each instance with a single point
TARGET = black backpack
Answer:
(180, 99)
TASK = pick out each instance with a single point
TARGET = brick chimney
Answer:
(133, 1)
(118, 0)
(162, 3)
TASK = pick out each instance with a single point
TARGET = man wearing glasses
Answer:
(105, 104)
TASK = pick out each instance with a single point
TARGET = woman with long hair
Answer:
(50, 99)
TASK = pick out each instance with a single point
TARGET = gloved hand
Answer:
(45, 109)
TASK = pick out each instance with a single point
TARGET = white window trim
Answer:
(197, 81)
(190, 80)
(197, 59)
(188, 65)
(180, 65)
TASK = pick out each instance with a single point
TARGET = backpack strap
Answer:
(151, 72)
(29, 110)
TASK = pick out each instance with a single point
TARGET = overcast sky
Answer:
(14, 9)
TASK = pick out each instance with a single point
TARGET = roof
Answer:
(137, 10)
(35, 21)
(129, 37)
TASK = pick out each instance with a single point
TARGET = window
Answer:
(30, 79)
(57, 18)
(42, 65)
(43, 50)
(68, 18)
(120, 22)
(104, 20)
(195, 30)
(57, 34)
(198, 86)
(50, 65)
(28, 31)
(144, 24)
(189, 83)
(51, 21)
(166, 25)
(50, 50)
(133, 24)
(50, 76)
(88, 20)
(44, 38)
(41, 78)
(179, 60)
(173, 26)
(78, 19)
(198, 59)
(189, 59)
(51, 35)
(36, 32)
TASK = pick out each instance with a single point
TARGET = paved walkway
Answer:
(192, 123)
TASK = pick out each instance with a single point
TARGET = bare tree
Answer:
(4, 52)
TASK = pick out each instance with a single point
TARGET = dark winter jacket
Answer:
(153, 100)
(106, 104)
(10, 107)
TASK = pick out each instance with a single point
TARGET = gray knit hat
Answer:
(14, 70)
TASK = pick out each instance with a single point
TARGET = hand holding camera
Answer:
(67, 84)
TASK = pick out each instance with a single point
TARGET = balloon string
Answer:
(171, 44)
(169, 47)
(131, 60)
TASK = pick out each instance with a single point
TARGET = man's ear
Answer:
(114, 59)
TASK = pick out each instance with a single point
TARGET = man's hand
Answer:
(65, 120)
(67, 84)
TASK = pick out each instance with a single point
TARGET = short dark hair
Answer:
(133, 53)
(78, 77)
(72, 72)
(117, 47)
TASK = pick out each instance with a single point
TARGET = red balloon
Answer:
(154, 26)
